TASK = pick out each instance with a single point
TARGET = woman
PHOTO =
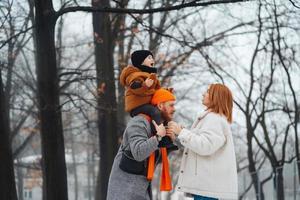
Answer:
(208, 167)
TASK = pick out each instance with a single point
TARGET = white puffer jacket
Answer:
(208, 165)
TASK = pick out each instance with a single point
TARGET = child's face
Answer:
(149, 61)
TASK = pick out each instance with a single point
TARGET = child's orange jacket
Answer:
(139, 96)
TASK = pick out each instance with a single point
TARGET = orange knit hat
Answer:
(162, 95)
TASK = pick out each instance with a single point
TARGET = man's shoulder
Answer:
(138, 125)
(139, 120)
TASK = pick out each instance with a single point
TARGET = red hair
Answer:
(220, 100)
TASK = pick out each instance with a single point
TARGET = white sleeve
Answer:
(206, 140)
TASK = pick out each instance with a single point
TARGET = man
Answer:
(139, 143)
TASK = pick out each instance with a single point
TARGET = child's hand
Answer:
(160, 129)
(149, 82)
(152, 76)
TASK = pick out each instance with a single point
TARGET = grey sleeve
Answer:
(140, 145)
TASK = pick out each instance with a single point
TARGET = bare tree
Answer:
(7, 182)
(12, 48)
(286, 64)
(54, 173)
(259, 106)
(105, 33)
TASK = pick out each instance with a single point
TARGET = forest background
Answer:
(62, 107)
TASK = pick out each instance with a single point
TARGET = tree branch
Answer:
(195, 3)
(294, 4)
(14, 36)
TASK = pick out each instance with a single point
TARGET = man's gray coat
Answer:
(137, 138)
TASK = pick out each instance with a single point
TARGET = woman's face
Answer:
(205, 99)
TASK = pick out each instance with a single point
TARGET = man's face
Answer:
(167, 110)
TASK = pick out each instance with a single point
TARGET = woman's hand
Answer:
(174, 128)
(160, 129)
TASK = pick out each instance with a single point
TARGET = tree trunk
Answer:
(89, 171)
(75, 168)
(298, 166)
(107, 109)
(7, 177)
(93, 172)
(122, 62)
(53, 150)
(20, 186)
(278, 182)
(297, 151)
(252, 169)
(120, 28)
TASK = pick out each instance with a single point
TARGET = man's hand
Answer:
(170, 134)
(160, 130)
(149, 82)
(174, 128)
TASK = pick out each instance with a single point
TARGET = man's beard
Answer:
(165, 116)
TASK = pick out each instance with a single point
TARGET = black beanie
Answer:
(138, 57)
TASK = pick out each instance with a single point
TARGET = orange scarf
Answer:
(165, 179)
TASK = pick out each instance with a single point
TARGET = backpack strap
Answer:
(147, 117)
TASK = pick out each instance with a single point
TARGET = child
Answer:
(140, 83)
